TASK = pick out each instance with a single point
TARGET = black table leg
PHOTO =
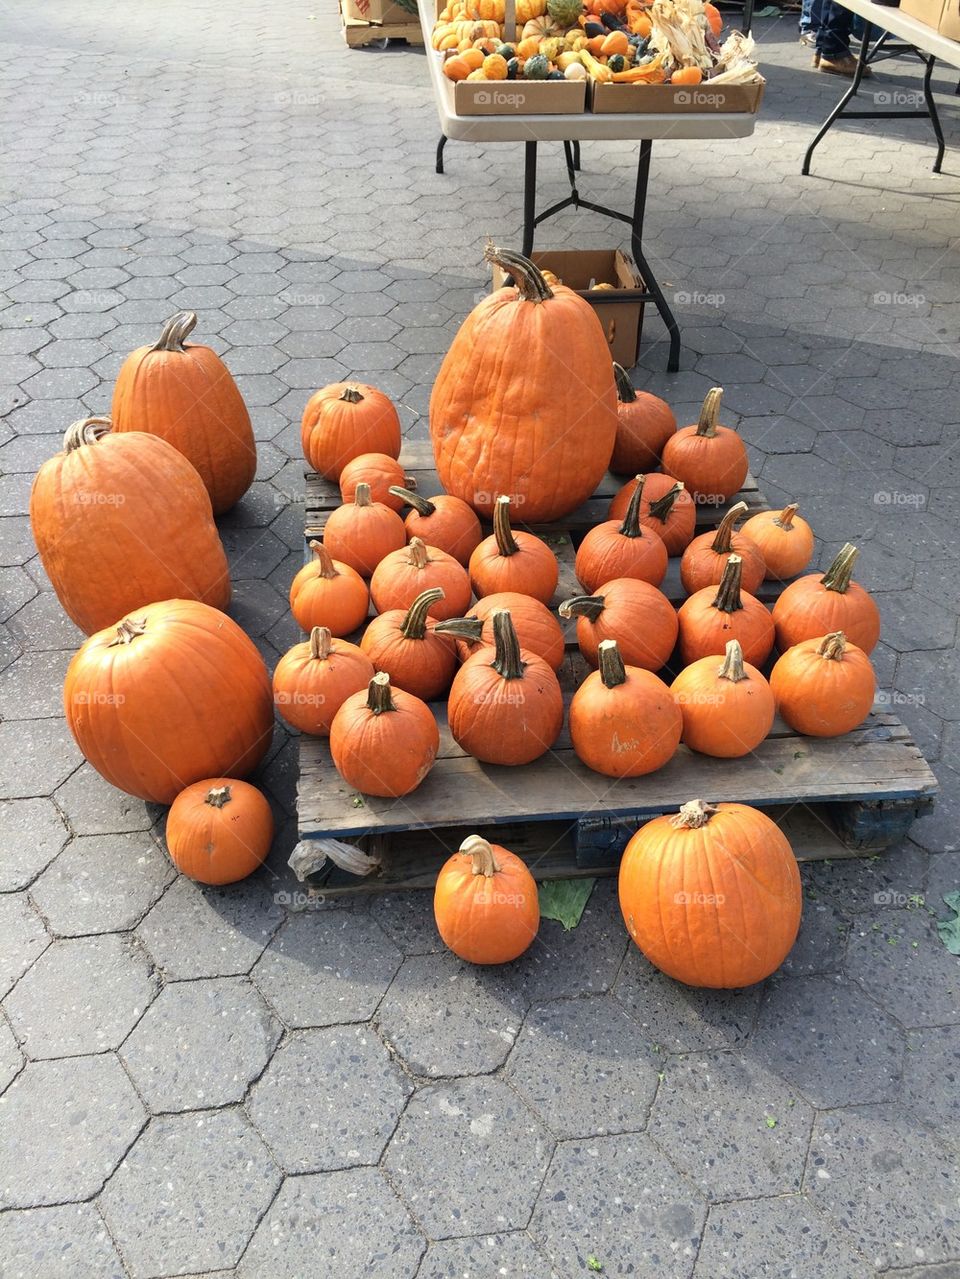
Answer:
(440, 145)
(576, 147)
(934, 116)
(529, 196)
(644, 267)
(571, 160)
(851, 92)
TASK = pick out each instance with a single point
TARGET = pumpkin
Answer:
(343, 421)
(185, 394)
(687, 75)
(170, 695)
(704, 561)
(445, 522)
(710, 459)
(383, 741)
(666, 507)
(505, 706)
(621, 549)
(537, 629)
(313, 680)
(813, 606)
(711, 894)
(635, 614)
(785, 541)
(712, 617)
(644, 421)
(824, 687)
(381, 471)
(714, 17)
(727, 708)
(327, 592)
(121, 521)
(525, 403)
(403, 575)
(623, 721)
(361, 533)
(509, 561)
(406, 644)
(486, 903)
(219, 830)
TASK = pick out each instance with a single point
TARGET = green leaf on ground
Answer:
(949, 929)
(564, 900)
(594, 1264)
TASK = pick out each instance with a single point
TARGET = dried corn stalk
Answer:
(679, 33)
(735, 61)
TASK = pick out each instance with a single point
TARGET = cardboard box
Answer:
(929, 12)
(666, 99)
(950, 20)
(382, 12)
(622, 320)
(519, 97)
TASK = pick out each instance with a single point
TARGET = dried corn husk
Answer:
(735, 61)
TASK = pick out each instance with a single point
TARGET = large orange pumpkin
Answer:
(344, 420)
(185, 394)
(710, 459)
(485, 903)
(313, 680)
(406, 643)
(621, 549)
(219, 830)
(635, 614)
(509, 561)
(645, 423)
(383, 740)
(121, 521)
(537, 629)
(327, 592)
(704, 561)
(824, 687)
(444, 521)
(814, 606)
(711, 895)
(403, 575)
(525, 403)
(170, 695)
(727, 706)
(710, 618)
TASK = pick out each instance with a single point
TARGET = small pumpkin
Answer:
(219, 830)
(644, 424)
(403, 575)
(824, 687)
(727, 709)
(327, 592)
(537, 629)
(635, 614)
(381, 471)
(444, 521)
(785, 541)
(814, 606)
(505, 706)
(687, 75)
(665, 506)
(704, 561)
(711, 894)
(486, 903)
(313, 680)
(711, 617)
(383, 741)
(343, 421)
(362, 532)
(709, 458)
(621, 549)
(406, 644)
(509, 561)
(623, 721)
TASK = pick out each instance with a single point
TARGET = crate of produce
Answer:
(364, 22)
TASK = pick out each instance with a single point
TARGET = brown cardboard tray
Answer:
(667, 99)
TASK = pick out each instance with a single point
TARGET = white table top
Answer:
(907, 29)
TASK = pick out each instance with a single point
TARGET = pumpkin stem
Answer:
(723, 542)
(128, 630)
(351, 394)
(732, 668)
(626, 392)
(465, 628)
(707, 424)
(527, 276)
(324, 559)
(661, 508)
(695, 813)
(87, 431)
(631, 521)
(612, 670)
(484, 862)
(380, 694)
(218, 796)
(785, 519)
(837, 577)
(590, 606)
(420, 504)
(362, 495)
(507, 662)
(414, 625)
(728, 592)
(417, 553)
(507, 544)
(176, 331)
(833, 646)
(320, 643)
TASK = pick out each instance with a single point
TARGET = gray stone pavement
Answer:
(200, 1081)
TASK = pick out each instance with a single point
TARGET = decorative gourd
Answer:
(315, 678)
(623, 721)
(486, 903)
(505, 706)
(538, 631)
(711, 895)
(170, 695)
(121, 521)
(614, 549)
(343, 421)
(635, 614)
(509, 561)
(444, 521)
(526, 363)
(785, 541)
(406, 644)
(383, 741)
(710, 618)
(727, 707)
(814, 606)
(381, 471)
(403, 575)
(645, 423)
(710, 459)
(185, 394)
(704, 561)
(327, 592)
(219, 830)
(362, 532)
(824, 687)
(536, 68)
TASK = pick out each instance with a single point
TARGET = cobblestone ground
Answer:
(201, 1082)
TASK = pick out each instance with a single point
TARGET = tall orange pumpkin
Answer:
(219, 830)
(343, 421)
(710, 459)
(485, 903)
(121, 521)
(645, 424)
(186, 395)
(525, 403)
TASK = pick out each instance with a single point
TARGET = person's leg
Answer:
(806, 13)
(833, 34)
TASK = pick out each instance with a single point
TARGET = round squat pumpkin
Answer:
(710, 618)
(327, 592)
(727, 707)
(509, 561)
(402, 576)
(635, 614)
(824, 687)
(815, 605)
(315, 678)
(785, 541)
(486, 903)
(344, 420)
(383, 741)
(444, 521)
(622, 549)
(219, 830)
(537, 629)
(709, 458)
(406, 643)
(361, 533)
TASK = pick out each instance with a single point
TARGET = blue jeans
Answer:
(833, 29)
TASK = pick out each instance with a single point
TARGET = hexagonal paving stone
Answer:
(77, 1118)
(94, 807)
(859, 884)
(58, 1243)
(81, 996)
(886, 1179)
(931, 1074)
(899, 959)
(744, 1240)
(11, 1058)
(407, 919)
(35, 763)
(200, 1044)
(821, 943)
(477, 1136)
(102, 882)
(22, 938)
(32, 832)
(486, 1257)
(618, 1199)
(349, 1224)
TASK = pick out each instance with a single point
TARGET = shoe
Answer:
(844, 65)
(808, 38)
(815, 61)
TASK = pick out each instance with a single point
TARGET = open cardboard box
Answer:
(381, 12)
(929, 12)
(950, 20)
(666, 99)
